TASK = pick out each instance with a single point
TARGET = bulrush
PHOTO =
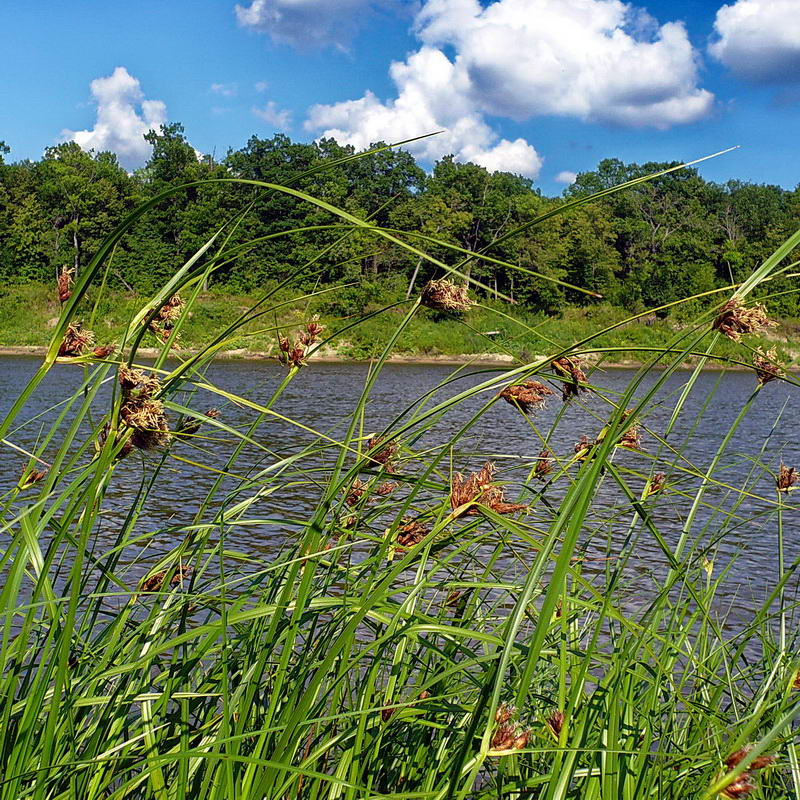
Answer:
(508, 736)
(787, 478)
(656, 484)
(766, 366)
(103, 437)
(631, 439)
(103, 352)
(166, 317)
(442, 295)
(32, 477)
(140, 411)
(65, 284)
(528, 396)
(796, 681)
(555, 722)
(155, 582)
(383, 452)
(386, 488)
(76, 341)
(355, 492)
(191, 426)
(294, 353)
(478, 488)
(544, 464)
(411, 532)
(740, 786)
(736, 319)
(572, 376)
(583, 444)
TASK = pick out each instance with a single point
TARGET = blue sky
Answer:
(542, 87)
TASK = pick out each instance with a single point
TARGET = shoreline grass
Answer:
(436, 626)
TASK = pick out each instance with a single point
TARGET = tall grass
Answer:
(358, 660)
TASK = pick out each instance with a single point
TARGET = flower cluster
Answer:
(735, 319)
(787, 478)
(544, 464)
(442, 295)
(766, 366)
(382, 453)
(572, 376)
(65, 283)
(166, 317)
(411, 532)
(480, 489)
(527, 396)
(155, 582)
(77, 340)
(294, 353)
(508, 736)
(740, 786)
(141, 411)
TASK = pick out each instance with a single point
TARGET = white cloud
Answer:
(224, 89)
(280, 119)
(565, 176)
(432, 95)
(261, 86)
(759, 40)
(123, 117)
(597, 60)
(306, 23)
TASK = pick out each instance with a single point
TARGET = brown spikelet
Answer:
(103, 437)
(140, 411)
(76, 341)
(572, 376)
(787, 478)
(355, 492)
(527, 396)
(479, 488)
(656, 484)
(766, 367)
(386, 488)
(583, 444)
(382, 452)
(192, 426)
(388, 713)
(544, 464)
(411, 532)
(735, 319)
(796, 681)
(103, 352)
(508, 736)
(155, 582)
(442, 295)
(65, 283)
(165, 318)
(555, 722)
(741, 786)
(631, 439)
(31, 478)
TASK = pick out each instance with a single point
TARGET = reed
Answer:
(417, 633)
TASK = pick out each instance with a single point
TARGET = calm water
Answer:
(322, 397)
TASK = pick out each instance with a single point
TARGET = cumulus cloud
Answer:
(432, 95)
(123, 117)
(308, 23)
(597, 60)
(280, 119)
(261, 86)
(759, 40)
(565, 176)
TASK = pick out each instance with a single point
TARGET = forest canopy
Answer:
(673, 237)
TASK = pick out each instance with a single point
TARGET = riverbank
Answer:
(485, 335)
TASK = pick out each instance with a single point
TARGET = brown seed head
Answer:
(657, 483)
(411, 532)
(140, 411)
(32, 477)
(544, 464)
(388, 713)
(355, 492)
(155, 582)
(504, 713)
(442, 295)
(103, 352)
(583, 444)
(787, 478)
(572, 376)
(527, 396)
(76, 341)
(65, 282)
(631, 439)
(736, 319)
(382, 453)
(386, 488)
(480, 489)
(765, 366)
(555, 722)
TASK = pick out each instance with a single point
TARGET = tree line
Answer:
(666, 239)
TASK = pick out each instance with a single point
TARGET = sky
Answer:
(543, 88)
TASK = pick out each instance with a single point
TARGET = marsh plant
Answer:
(417, 633)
